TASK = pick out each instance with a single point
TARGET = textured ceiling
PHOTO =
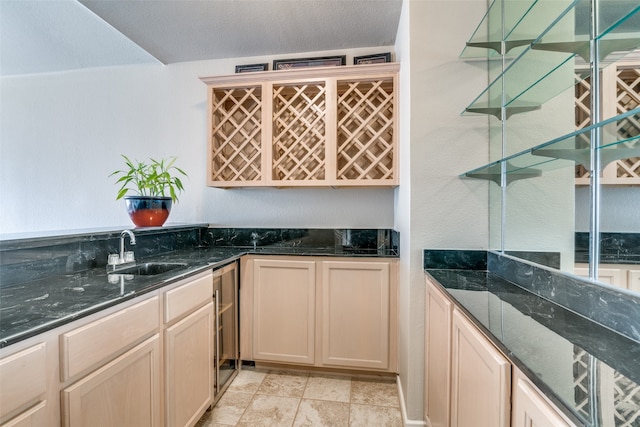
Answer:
(54, 35)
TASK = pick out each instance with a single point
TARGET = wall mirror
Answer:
(550, 119)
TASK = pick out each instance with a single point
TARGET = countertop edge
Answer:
(168, 280)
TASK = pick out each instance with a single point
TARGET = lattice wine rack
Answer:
(621, 93)
(365, 130)
(323, 126)
(236, 146)
(299, 140)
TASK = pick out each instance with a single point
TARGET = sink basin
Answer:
(150, 268)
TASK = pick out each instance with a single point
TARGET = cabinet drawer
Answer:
(99, 340)
(33, 417)
(22, 378)
(186, 298)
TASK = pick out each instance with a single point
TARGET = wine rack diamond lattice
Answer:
(627, 98)
(299, 132)
(304, 127)
(236, 134)
(365, 130)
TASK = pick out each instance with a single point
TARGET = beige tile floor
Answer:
(281, 398)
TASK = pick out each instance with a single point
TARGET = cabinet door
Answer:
(633, 280)
(123, 393)
(189, 367)
(530, 409)
(355, 314)
(284, 311)
(23, 379)
(610, 276)
(299, 133)
(437, 356)
(235, 136)
(481, 379)
(366, 140)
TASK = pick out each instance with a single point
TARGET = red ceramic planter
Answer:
(148, 211)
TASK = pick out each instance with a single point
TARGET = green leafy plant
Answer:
(154, 179)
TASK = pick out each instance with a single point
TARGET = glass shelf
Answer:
(493, 172)
(493, 108)
(567, 150)
(524, 20)
(546, 68)
(618, 30)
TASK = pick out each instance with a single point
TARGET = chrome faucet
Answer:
(132, 239)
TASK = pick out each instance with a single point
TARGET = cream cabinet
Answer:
(112, 367)
(437, 356)
(322, 126)
(480, 378)
(284, 310)
(33, 417)
(23, 386)
(468, 381)
(322, 312)
(145, 362)
(531, 408)
(625, 276)
(188, 351)
(92, 345)
(633, 280)
(124, 392)
(355, 314)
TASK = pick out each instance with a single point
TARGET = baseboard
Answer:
(403, 409)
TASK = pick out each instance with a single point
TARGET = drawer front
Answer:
(22, 378)
(33, 417)
(99, 340)
(186, 298)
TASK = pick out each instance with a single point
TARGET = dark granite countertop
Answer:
(32, 307)
(589, 371)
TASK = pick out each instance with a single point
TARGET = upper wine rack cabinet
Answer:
(314, 127)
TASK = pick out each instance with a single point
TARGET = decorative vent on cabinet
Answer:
(365, 130)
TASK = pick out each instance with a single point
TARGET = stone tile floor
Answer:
(282, 398)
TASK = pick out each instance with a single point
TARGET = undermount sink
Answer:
(150, 268)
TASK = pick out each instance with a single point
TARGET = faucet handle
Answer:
(129, 256)
(113, 259)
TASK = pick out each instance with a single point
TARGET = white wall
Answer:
(434, 207)
(61, 135)
(619, 209)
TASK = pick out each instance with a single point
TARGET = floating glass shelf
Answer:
(568, 150)
(582, 48)
(546, 68)
(493, 172)
(493, 108)
(523, 21)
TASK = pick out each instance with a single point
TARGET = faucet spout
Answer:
(132, 239)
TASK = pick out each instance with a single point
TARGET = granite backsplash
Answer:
(613, 309)
(29, 259)
(615, 248)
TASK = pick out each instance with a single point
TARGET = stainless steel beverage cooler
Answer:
(226, 351)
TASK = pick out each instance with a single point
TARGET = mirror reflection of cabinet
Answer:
(533, 49)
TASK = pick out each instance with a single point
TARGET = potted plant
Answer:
(157, 185)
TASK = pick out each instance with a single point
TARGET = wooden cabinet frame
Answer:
(468, 381)
(337, 356)
(321, 126)
(122, 356)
